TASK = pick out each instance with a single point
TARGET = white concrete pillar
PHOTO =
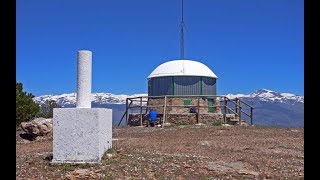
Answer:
(84, 79)
(82, 134)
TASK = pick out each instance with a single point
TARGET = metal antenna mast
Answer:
(182, 36)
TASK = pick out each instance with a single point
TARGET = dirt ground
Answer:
(181, 152)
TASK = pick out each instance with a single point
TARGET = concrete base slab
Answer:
(81, 135)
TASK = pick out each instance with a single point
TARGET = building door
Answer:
(211, 103)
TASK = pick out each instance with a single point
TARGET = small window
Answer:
(187, 102)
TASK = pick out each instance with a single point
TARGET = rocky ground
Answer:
(181, 152)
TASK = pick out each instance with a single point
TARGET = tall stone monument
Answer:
(81, 134)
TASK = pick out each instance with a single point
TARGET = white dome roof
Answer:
(182, 68)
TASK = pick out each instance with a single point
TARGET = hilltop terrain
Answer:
(180, 152)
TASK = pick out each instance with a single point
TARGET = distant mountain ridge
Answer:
(67, 100)
(271, 96)
(271, 107)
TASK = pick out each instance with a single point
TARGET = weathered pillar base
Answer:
(81, 135)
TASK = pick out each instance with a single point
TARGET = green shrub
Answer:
(68, 167)
(217, 122)
(181, 123)
(26, 108)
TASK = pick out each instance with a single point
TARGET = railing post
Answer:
(140, 111)
(147, 105)
(237, 105)
(164, 111)
(251, 115)
(127, 108)
(198, 113)
(239, 114)
(225, 110)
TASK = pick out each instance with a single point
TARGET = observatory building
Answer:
(182, 77)
(180, 91)
(187, 84)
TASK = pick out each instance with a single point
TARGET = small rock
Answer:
(204, 143)
(37, 127)
(199, 124)
(98, 170)
(244, 124)
(110, 155)
(119, 150)
(71, 177)
(244, 171)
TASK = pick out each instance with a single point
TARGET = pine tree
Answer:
(26, 108)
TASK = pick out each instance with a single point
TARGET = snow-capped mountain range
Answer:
(270, 96)
(67, 100)
(271, 108)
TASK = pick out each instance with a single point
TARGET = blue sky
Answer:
(249, 44)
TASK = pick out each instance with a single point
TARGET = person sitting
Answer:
(193, 110)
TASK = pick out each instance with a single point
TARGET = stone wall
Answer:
(134, 119)
(187, 118)
(179, 102)
(210, 117)
(191, 118)
(178, 115)
(156, 102)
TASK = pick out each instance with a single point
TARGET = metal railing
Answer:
(142, 103)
